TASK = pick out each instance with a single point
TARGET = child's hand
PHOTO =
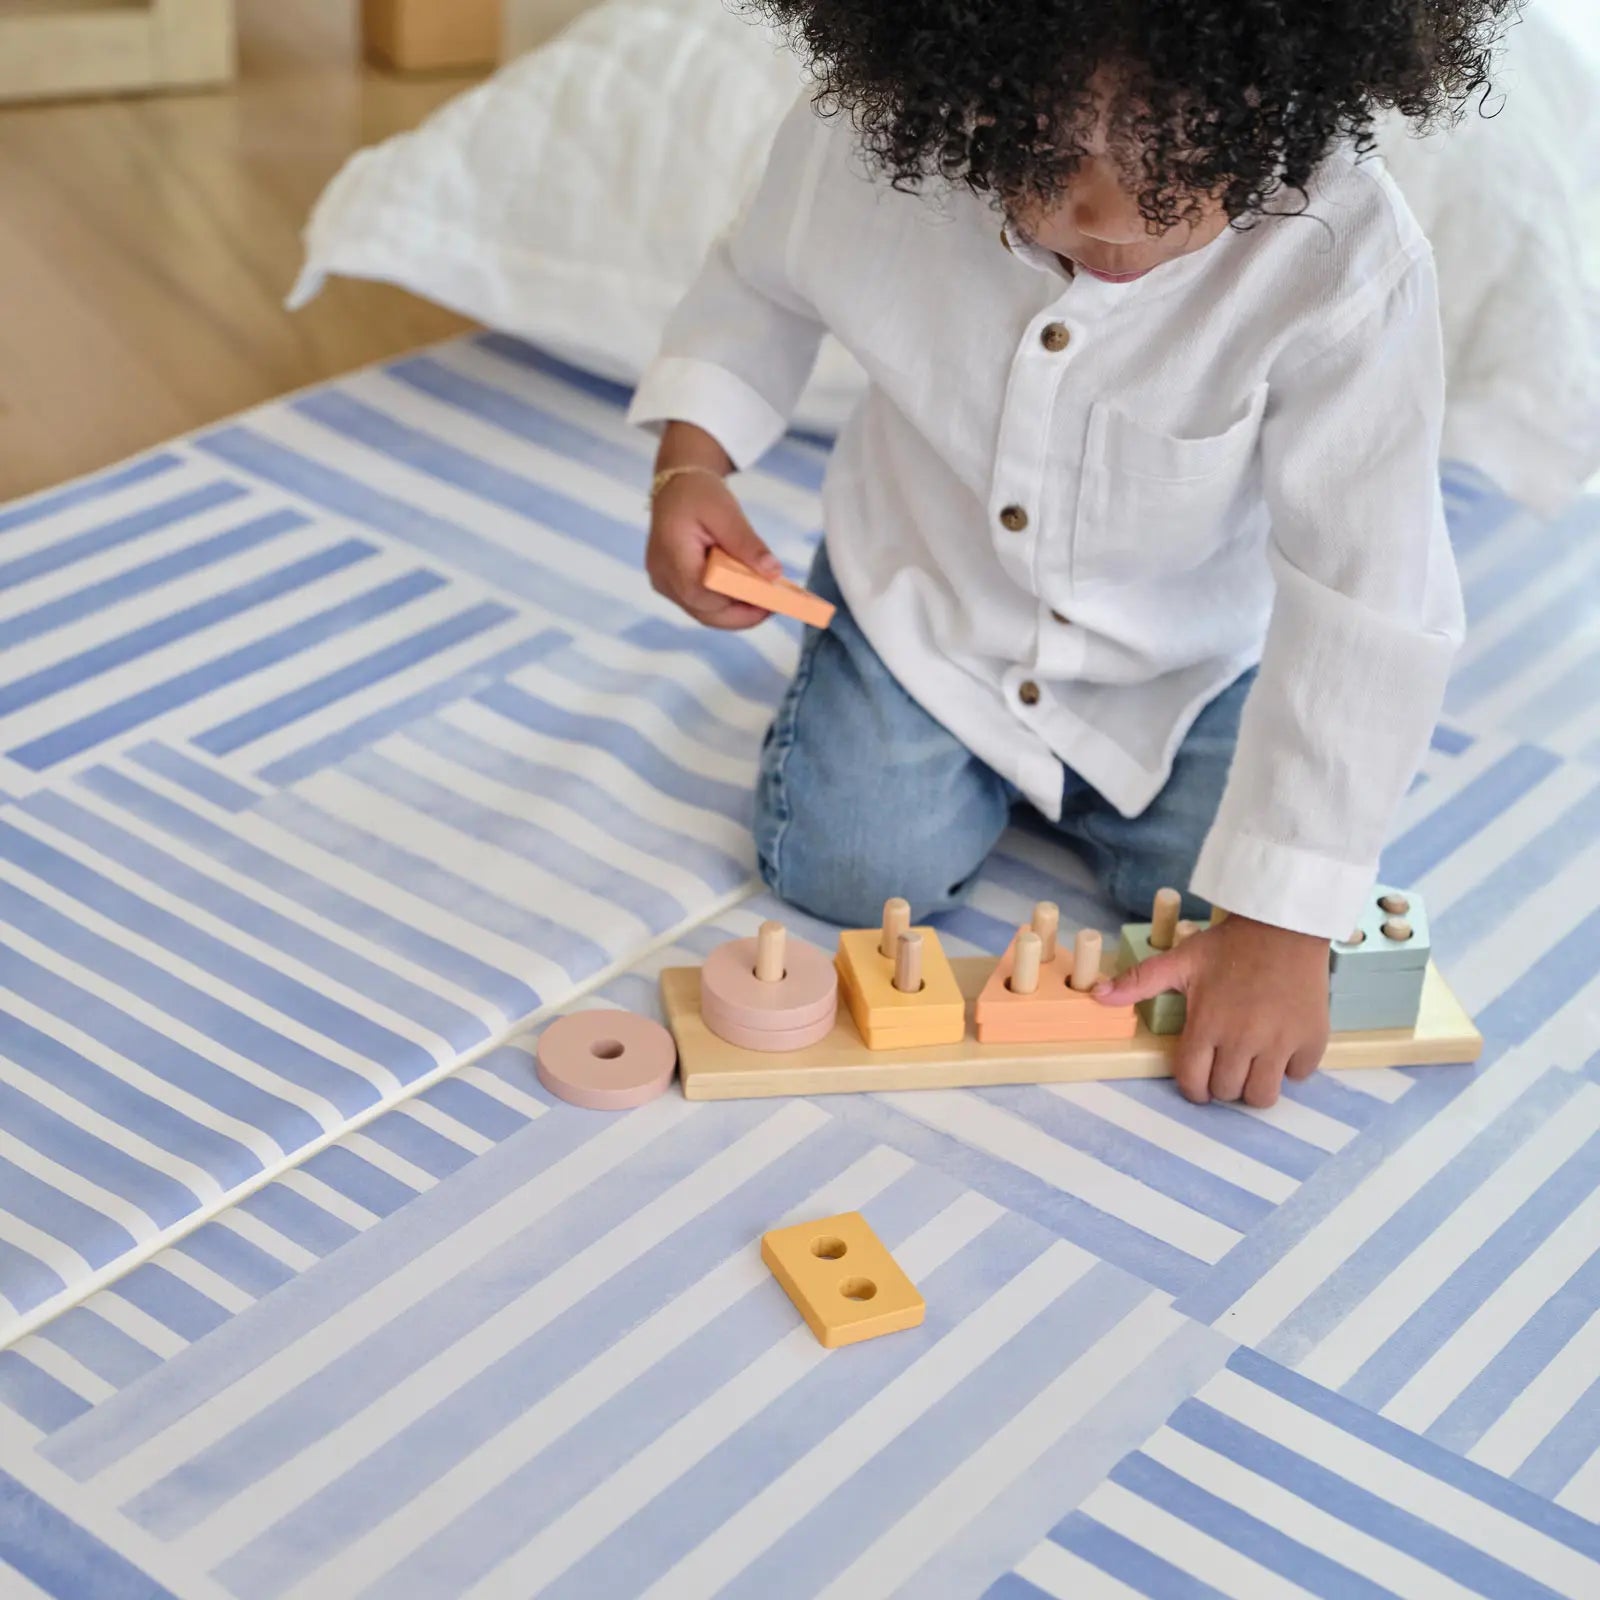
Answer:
(1257, 1007)
(693, 513)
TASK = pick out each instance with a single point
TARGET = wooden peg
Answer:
(770, 941)
(1086, 959)
(908, 963)
(1025, 966)
(896, 921)
(1185, 930)
(1046, 922)
(1164, 918)
(1395, 904)
(1397, 929)
(1218, 915)
(1357, 936)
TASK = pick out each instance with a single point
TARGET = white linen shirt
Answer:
(1067, 513)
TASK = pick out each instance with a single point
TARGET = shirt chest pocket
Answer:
(1159, 502)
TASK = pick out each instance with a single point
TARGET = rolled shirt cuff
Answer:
(682, 389)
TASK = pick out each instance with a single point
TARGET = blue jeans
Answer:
(863, 795)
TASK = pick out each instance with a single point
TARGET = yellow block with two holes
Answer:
(842, 1280)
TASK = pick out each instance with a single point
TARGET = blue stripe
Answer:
(1451, 741)
(234, 1259)
(1566, 1448)
(299, 1219)
(1467, 1476)
(449, 543)
(421, 1146)
(1249, 1136)
(1371, 1513)
(733, 658)
(201, 680)
(1129, 1563)
(35, 1396)
(1465, 815)
(29, 1282)
(204, 781)
(1569, 612)
(105, 1350)
(357, 1179)
(332, 687)
(38, 507)
(1542, 991)
(411, 710)
(172, 1302)
(179, 563)
(1239, 1531)
(317, 1011)
(98, 1239)
(510, 994)
(476, 1109)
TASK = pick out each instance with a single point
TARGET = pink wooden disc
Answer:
(807, 992)
(770, 1040)
(606, 1060)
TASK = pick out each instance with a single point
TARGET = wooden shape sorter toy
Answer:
(1165, 1012)
(1375, 975)
(1039, 992)
(897, 982)
(726, 576)
(842, 1280)
(717, 1066)
(769, 993)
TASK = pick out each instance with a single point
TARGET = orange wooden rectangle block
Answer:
(842, 1280)
(734, 579)
(1054, 1012)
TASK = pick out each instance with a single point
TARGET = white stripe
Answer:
(1149, 1123)
(228, 933)
(1299, 1121)
(329, 1199)
(1504, 706)
(984, 1126)
(496, 872)
(139, 1325)
(692, 671)
(267, 1238)
(1498, 1320)
(496, 1087)
(646, 719)
(276, 1494)
(216, 988)
(61, 1258)
(60, 526)
(65, 1180)
(384, 1547)
(66, 1369)
(795, 1493)
(431, 671)
(694, 1436)
(446, 1126)
(1381, 1083)
(223, 1291)
(1447, 777)
(1189, 1549)
(552, 814)
(1527, 818)
(1570, 569)
(193, 1177)
(912, 1544)
(1582, 1492)
(386, 1160)
(1410, 1489)
(179, 655)
(1065, 1576)
(122, 559)
(1437, 1256)
(1524, 1425)
(262, 893)
(599, 767)
(1348, 1226)
(477, 1238)
(1309, 1525)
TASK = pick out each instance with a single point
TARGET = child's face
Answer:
(1096, 225)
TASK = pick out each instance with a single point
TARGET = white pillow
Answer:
(572, 197)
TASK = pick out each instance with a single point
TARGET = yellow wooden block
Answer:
(1054, 1012)
(842, 1280)
(888, 1019)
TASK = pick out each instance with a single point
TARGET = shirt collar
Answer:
(1165, 277)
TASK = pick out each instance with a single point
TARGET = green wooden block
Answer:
(1376, 953)
(1394, 1006)
(1162, 1013)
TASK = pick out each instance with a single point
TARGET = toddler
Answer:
(1139, 519)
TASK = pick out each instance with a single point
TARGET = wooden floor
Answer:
(146, 246)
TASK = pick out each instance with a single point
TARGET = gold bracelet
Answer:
(667, 474)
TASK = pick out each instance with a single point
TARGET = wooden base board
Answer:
(842, 1064)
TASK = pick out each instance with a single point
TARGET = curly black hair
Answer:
(1240, 99)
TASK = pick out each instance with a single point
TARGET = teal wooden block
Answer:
(1377, 953)
(1162, 1013)
(1365, 1009)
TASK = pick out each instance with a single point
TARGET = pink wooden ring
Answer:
(807, 992)
(771, 1041)
(606, 1060)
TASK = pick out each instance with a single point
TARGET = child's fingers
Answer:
(1169, 970)
(734, 534)
(1264, 1083)
(1302, 1064)
(1191, 1067)
(1230, 1069)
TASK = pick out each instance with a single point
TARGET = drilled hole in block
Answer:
(829, 1248)
(606, 1049)
(858, 1288)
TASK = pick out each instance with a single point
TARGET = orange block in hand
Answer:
(734, 579)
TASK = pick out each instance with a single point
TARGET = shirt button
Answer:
(1055, 337)
(1028, 693)
(1014, 519)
